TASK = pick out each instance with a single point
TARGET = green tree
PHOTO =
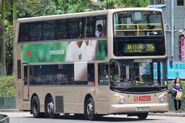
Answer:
(5, 38)
(12, 9)
(31, 8)
(124, 3)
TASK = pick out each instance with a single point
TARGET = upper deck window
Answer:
(74, 28)
(154, 2)
(180, 2)
(137, 23)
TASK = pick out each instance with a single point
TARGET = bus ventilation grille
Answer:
(59, 104)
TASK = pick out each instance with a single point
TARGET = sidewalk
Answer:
(9, 110)
(170, 113)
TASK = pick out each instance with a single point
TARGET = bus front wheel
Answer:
(90, 109)
(49, 108)
(35, 107)
(142, 116)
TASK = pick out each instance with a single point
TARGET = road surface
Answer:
(25, 117)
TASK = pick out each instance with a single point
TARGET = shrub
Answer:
(7, 86)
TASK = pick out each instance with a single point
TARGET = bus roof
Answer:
(80, 14)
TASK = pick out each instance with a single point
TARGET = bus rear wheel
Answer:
(90, 109)
(35, 107)
(142, 116)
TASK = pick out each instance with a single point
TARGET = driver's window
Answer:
(103, 76)
(114, 72)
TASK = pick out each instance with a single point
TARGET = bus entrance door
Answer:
(102, 89)
(26, 82)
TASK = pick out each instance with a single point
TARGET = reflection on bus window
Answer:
(48, 30)
(75, 28)
(61, 30)
(36, 34)
(89, 27)
(128, 73)
(52, 74)
(91, 74)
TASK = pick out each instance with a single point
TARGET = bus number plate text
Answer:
(142, 98)
(142, 108)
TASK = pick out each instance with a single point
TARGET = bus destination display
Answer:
(139, 48)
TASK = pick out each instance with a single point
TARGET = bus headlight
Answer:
(119, 98)
(162, 97)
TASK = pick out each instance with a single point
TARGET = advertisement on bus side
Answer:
(77, 51)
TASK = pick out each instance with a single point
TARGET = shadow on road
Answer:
(104, 118)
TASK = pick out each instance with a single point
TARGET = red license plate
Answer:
(142, 98)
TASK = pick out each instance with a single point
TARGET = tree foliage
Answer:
(7, 86)
(128, 3)
(28, 8)
(6, 22)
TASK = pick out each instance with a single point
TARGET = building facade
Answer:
(174, 19)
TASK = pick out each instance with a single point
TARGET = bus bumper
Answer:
(134, 108)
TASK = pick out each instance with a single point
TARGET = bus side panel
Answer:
(102, 100)
(72, 99)
(19, 94)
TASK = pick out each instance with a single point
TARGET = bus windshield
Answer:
(138, 23)
(130, 74)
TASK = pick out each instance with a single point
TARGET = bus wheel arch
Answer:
(49, 106)
(35, 106)
(89, 107)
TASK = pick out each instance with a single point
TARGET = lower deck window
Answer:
(51, 74)
(62, 74)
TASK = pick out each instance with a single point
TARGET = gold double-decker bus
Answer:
(92, 63)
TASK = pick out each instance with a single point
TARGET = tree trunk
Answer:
(14, 29)
(3, 49)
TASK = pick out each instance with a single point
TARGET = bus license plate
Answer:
(142, 108)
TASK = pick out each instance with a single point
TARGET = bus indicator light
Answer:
(142, 98)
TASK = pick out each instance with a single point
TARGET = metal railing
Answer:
(7, 103)
(139, 27)
(4, 119)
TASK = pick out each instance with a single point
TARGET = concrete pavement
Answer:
(169, 114)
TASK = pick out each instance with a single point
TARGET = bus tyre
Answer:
(35, 107)
(142, 116)
(49, 108)
(89, 109)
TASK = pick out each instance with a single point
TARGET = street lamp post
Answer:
(172, 29)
